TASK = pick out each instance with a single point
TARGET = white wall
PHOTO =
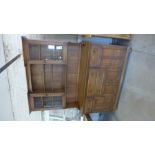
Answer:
(6, 111)
(17, 79)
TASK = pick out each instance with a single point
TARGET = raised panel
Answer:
(104, 103)
(91, 82)
(118, 53)
(112, 76)
(107, 53)
(106, 63)
(117, 63)
(109, 88)
(100, 75)
(111, 63)
(113, 53)
(95, 55)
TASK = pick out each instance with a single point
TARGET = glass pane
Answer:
(53, 52)
(51, 47)
(57, 101)
(47, 102)
(37, 102)
(46, 52)
(34, 51)
(58, 54)
(58, 47)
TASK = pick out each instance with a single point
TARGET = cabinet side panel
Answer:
(73, 66)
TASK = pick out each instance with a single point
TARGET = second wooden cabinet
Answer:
(101, 73)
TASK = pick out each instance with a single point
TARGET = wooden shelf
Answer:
(40, 62)
(47, 94)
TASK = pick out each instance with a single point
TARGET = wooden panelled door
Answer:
(104, 74)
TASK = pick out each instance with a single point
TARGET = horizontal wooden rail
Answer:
(41, 62)
(47, 94)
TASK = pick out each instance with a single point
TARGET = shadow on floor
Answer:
(106, 116)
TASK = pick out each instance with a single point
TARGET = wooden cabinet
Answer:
(101, 72)
(67, 75)
(52, 70)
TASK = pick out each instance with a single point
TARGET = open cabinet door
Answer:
(101, 73)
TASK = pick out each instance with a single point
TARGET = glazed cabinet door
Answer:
(45, 63)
